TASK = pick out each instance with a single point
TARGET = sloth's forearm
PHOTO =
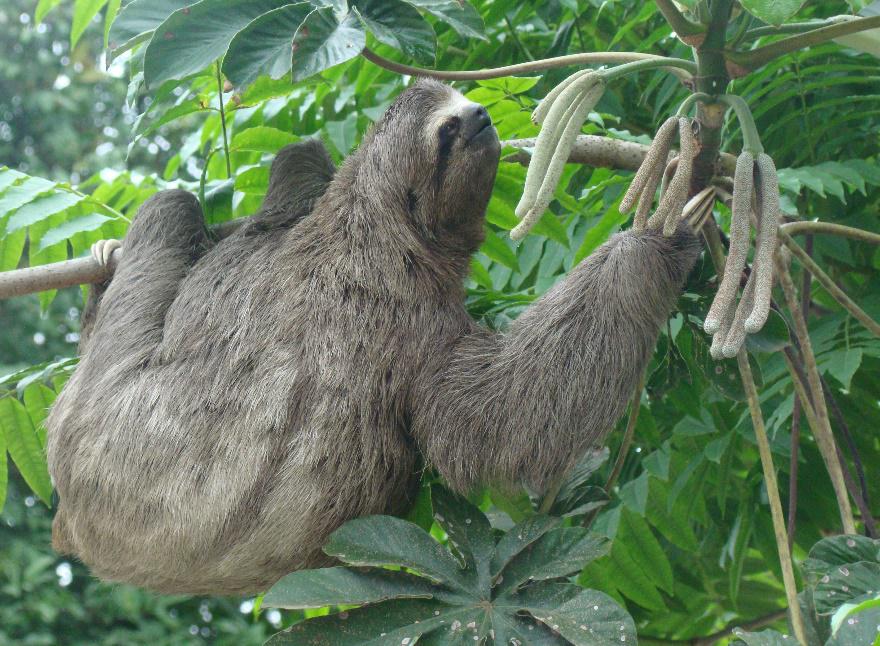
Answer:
(521, 406)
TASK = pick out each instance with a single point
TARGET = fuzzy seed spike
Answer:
(543, 108)
(674, 198)
(720, 335)
(654, 164)
(737, 334)
(743, 182)
(548, 139)
(557, 163)
(767, 186)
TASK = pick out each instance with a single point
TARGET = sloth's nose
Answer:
(474, 120)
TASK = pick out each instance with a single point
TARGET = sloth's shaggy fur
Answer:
(236, 402)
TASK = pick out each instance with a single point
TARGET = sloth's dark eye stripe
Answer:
(445, 140)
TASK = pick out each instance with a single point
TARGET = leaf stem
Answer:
(779, 528)
(796, 27)
(588, 58)
(689, 102)
(683, 27)
(751, 138)
(822, 431)
(223, 122)
(830, 286)
(614, 73)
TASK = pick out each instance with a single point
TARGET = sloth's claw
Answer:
(103, 249)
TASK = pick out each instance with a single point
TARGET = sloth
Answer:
(237, 401)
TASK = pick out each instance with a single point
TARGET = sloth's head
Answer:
(436, 152)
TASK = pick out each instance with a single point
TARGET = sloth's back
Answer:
(271, 412)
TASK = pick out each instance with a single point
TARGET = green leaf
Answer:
(321, 42)
(137, 20)
(109, 16)
(764, 638)
(498, 250)
(773, 337)
(385, 540)
(844, 583)
(398, 25)
(263, 139)
(646, 550)
(41, 208)
(337, 586)
(37, 400)
(83, 12)
(342, 134)
(519, 538)
(591, 619)
(399, 622)
(842, 364)
(11, 248)
(774, 12)
(469, 533)
(633, 581)
(24, 447)
(254, 180)
(840, 550)
(264, 46)
(458, 14)
(70, 228)
(511, 84)
(23, 192)
(558, 553)
(860, 627)
(43, 8)
(192, 38)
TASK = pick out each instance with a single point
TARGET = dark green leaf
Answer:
(840, 550)
(399, 25)
(774, 12)
(192, 38)
(24, 447)
(137, 20)
(764, 638)
(590, 619)
(321, 42)
(519, 538)
(846, 582)
(385, 540)
(264, 46)
(459, 14)
(337, 586)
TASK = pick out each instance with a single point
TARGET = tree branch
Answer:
(689, 32)
(744, 62)
(807, 228)
(80, 271)
(831, 287)
(681, 68)
(602, 152)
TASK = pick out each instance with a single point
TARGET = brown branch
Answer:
(602, 152)
(822, 429)
(755, 58)
(80, 271)
(689, 32)
(681, 68)
(807, 228)
(830, 286)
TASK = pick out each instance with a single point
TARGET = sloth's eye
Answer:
(448, 129)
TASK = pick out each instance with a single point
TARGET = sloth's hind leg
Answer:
(164, 241)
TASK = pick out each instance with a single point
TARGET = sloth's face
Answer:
(445, 150)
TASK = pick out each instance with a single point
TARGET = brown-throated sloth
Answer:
(235, 403)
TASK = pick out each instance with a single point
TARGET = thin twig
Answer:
(830, 286)
(806, 228)
(755, 58)
(223, 122)
(772, 487)
(681, 68)
(795, 27)
(822, 430)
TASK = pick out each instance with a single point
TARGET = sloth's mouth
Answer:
(481, 132)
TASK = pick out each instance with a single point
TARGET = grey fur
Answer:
(234, 406)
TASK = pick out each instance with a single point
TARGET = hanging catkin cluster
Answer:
(728, 321)
(561, 113)
(651, 172)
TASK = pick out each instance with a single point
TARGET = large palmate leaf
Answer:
(137, 20)
(399, 25)
(508, 591)
(459, 14)
(264, 46)
(193, 37)
(322, 41)
(842, 568)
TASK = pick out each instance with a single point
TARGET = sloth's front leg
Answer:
(102, 250)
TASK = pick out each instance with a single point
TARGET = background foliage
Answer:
(690, 543)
